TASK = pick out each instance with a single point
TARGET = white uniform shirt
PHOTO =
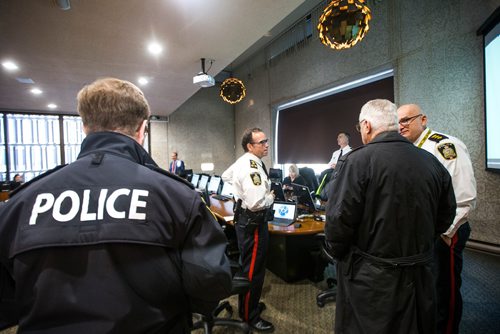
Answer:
(250, 182)
(336, 155)
(454, 156)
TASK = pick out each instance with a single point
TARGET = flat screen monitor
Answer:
(227, 190)
(303, 196)
(491, 36)
(279, 194)
(195, 179)
(203, 182)
(214, 184)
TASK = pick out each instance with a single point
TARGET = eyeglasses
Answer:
(406, 121)
(358, 126)
(262, 142)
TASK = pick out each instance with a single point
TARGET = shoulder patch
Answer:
(448, 151)
(437, 137)
(256, 179)
(253, 164)
(170, 175)
(36, 178)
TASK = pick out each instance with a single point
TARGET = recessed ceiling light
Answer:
(52, 106)
(36, 91)
(143, 81)
(10, 65)
(155, 48)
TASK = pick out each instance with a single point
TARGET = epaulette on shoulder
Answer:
(36, 178)
(437, 137)
(170, 175)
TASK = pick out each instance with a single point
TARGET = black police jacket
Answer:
(109, 244)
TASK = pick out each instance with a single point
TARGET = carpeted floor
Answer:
(481, 293)
(291, 307)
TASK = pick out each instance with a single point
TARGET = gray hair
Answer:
(382, 115)
(293, 168)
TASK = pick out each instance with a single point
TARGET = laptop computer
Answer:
(277, 188)
(226, 193)
(195, 179)
(214, 184)
(284, 213)
(304, 197)
(227, 190)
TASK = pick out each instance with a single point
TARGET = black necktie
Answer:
(340, 155)
(264, 168)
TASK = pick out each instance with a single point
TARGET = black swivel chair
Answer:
(240, 286)
(308, 174)
(331, 293)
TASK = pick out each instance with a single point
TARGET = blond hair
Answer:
(111, 104)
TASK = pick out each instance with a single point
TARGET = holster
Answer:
(250, 220)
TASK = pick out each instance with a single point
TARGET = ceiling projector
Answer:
(204, 80)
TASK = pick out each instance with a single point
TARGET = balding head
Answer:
(412, 121)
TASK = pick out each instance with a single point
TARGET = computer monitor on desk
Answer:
(227, 190)
(214, 184)
(202, 185)
(303, 196)
(195, 179)
(277, 188)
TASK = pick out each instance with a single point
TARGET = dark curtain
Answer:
(307, 133)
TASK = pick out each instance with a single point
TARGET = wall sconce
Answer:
(344, 23)
(207, 167)
(232, 90)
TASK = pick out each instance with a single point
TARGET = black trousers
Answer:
(449, 263)
(253, 244)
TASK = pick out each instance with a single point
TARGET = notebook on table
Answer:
(284, 213)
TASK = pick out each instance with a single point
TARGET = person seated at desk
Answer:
(16, 182)
(293, 177)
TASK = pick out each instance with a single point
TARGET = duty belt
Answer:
(407, 261)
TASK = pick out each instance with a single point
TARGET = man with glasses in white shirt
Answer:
(453, 154)
(252, 190)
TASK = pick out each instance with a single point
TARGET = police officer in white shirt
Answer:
(343, 141)
(252, 190)
(453, 154)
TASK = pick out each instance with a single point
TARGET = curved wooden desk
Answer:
(308, 225)
(4, 195)
(293, 252)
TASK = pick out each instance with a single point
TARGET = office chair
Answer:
(275, 174)
(240, 286)
(331, 293)
(187, 174)
(308, 174)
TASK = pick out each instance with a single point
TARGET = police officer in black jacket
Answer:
(110, 243)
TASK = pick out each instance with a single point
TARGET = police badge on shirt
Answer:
(447, 151)
(256, 179)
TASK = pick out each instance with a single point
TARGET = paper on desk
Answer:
(229, 218)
